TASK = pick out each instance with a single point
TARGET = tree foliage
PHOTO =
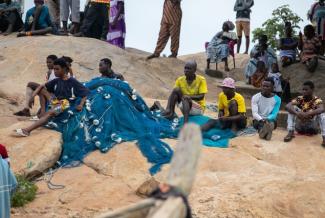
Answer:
(274, 27)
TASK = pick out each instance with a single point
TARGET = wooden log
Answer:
(138, 210)
(187, 152)
(182, 172)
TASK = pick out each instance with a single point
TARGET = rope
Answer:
(47, 178)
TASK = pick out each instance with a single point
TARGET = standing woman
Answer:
(117, 29)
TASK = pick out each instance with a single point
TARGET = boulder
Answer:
(33, 155)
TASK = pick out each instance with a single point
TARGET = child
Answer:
(310, 47)
(259, 75)
(281, 85)
(57, 92)
(32, 86)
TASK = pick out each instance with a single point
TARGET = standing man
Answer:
(54, 8)
(67, 6)
(316, 15)
(243, 13)
(170, 27)
(95, 23)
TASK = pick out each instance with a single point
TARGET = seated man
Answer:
(260, 52)
(189, 93)
(218, 48)
(310, 46)
(265, 109)
(306, 114)
(32, 86)
(232, 109)
(58, 92)
(10, 20)
(105, 68)
(38, 21)
(288, 46)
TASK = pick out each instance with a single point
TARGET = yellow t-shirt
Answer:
(198, 86)
(223, 103)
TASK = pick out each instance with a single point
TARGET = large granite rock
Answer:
(33, 155)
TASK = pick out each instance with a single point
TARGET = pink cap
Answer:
(229, 83)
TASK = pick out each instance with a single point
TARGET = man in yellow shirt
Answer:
(232, 109)
(189, 94)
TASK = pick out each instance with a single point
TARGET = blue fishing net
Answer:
(113, 113)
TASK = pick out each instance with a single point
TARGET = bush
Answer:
(274, 27)
(25, 192)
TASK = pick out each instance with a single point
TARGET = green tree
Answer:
(274, 27)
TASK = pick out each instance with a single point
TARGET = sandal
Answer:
(20, 132)
(34, 118)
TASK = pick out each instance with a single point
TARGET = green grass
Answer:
(25, 192)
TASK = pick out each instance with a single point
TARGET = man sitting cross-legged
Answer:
(265, 109)
(231, 107)
(188, 94)
(306, 114)
(58, 92)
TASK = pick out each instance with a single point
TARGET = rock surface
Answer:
(252, 178)
(32, 155)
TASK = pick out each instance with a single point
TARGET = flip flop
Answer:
(34, 118)
(20, 132)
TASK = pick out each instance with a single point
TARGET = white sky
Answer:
(201, 20)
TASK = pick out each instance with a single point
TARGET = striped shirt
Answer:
(172, 12)
(100, 1)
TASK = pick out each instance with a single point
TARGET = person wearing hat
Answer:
(232, 109)
(265, 109)
(38, 20)
(218, 48)
(260, 52)
(189, 94)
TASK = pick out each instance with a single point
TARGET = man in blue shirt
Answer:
(10, 19)
(38, 20)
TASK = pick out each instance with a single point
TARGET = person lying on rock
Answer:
(58, 92)
(310, 46)
(105, 69)
(288, 46)
(265, 109)
(38, 21)
(32, 86)
(232, 109)
(218, 48)
(306, 114)
(10, 20)
(260, 52)
(188, 94)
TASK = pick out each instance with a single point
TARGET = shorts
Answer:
(243, 26)
(196, 109)
(58, 106)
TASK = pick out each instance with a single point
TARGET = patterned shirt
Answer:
(306, 106)
(310, 47)
(172, 12)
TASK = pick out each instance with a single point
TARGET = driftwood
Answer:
(181, 175)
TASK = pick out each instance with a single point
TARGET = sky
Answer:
(201, 20)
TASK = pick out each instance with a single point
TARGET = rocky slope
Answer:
(252, 178)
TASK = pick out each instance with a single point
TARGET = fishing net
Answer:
(113, 113)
